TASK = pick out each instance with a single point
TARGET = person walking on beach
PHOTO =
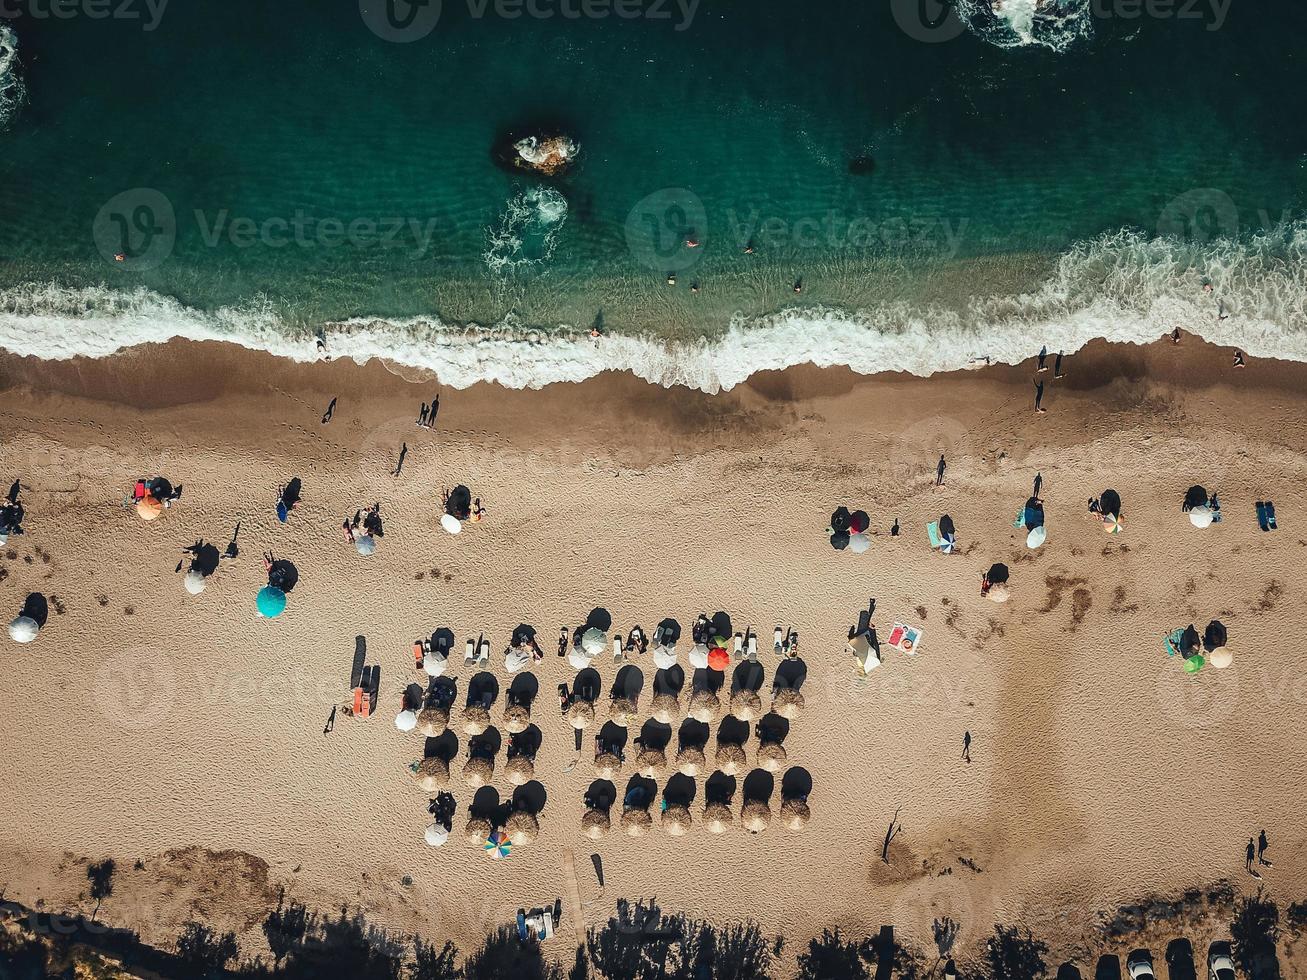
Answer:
(1039, 397)
(1039, 484)
(1238, 359)
(1248, 859)
(1043, 356)
(1057, 365)
(331, 721)
(422, 416)
(331, 410)
(1262, 844)
(894, 531)
(1175, 335)
(435, 407)
(939, 471)
(966, 747)
(403, 452)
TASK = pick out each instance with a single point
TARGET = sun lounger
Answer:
(1270, 516)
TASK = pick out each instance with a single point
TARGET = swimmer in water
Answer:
(671, 278)
(694, 288)
(748, 248)
(692, 242)
(1175, 335)
(798, 286)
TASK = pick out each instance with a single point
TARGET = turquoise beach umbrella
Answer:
(271, 602)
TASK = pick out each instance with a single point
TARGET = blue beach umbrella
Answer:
(271, 602)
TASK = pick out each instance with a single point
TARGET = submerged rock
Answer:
(547, 155)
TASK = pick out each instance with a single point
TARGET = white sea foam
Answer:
(527, 233)
(1123, 287)
(11, 83)
(1053, 24)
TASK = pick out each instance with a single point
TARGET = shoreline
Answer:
(614, 492)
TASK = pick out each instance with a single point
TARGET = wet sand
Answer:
(185, 732)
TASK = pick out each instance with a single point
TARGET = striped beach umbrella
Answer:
(498, 845)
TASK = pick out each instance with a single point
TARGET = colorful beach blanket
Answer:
(905, 638)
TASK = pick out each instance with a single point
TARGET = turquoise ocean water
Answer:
(972, 185)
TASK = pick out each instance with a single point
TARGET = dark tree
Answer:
(203, 949)
(345, 946)
(642, 943)
(434, 962)
(1255, 931)
(284, 928)
(832, 957)
(1014, 954)
(505, 957)
(581, 968)
(100, 874)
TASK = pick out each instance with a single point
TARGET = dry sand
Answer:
(187, 733)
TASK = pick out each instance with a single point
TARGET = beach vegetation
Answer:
(100, 875)
(1013, 953)
(204, 949)
(1254, 934)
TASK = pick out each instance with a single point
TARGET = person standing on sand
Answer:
(1248, 859)
(422, 416)
(1039, 397)
(435, 407)
(1043, 356)
(894, 531)
(1238, 359)
(331, 721)
(966, 747)
(1262, 844)
(1175, 335)
(331, 410)
(1039, 484)
(939, 471)
(403, 452)
(1057, 365)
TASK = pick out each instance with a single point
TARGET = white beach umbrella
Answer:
(858, 543)
(699, 657)
(594, 642)
(366, 544)
(406, 720)
(24, 629)
(194, 582)
(664, 657)
(1201, 517)
(451, 524)
(433, 665)
(578, 658)
(516, 659)
(1220, 658)
(1036, 537)
(1000, 593)
(435, 835)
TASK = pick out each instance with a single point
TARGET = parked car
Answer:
(1220, 965)
(1139, 965)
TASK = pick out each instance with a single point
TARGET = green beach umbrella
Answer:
(271, 602)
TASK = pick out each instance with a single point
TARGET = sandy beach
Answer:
(185, 733)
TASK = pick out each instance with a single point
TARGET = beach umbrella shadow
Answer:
(796, 784)
(655, 736)
(587, 684)
(680, 790)
(759, 785)
(720, 789)
(692, 734)
(530, 797)
(443, 746)
(669, 682)
(37, 608)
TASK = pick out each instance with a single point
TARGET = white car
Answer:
(1219, 964)
(1139, 965)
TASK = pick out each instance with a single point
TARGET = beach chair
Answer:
(1270, 517)
(417, 654)
(1262, 522)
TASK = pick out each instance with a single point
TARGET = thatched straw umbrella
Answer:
(607, 765)
(746, 705)
(478, 771)
(476, 720)
(516, 718)
(581, 714)
(666, 709)
(755, 816)
(771, 756)
(433, 721)
(731, 758)
(676, 821)
(651, 763)
(788, 703)
(477, 830)
(621, 711)
(431, 773)
(717, 818)
(595, 823)
(636, 822)
(522, 828)
(520, 770)
(795, 814)
(704, 706)
(690, 761)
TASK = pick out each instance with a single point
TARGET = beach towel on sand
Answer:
(932, 533)
(1173, 641)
